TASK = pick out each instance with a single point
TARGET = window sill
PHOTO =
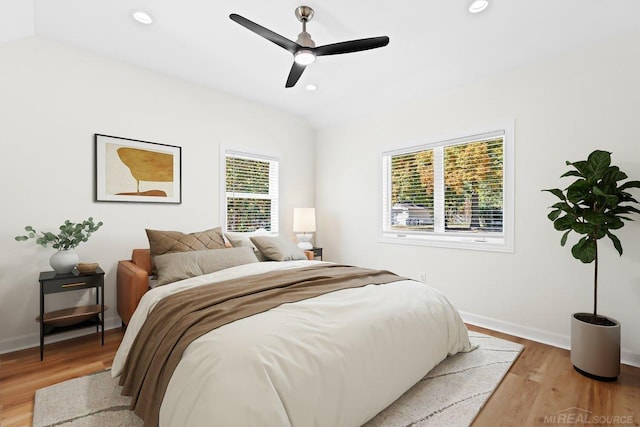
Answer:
(476, 243)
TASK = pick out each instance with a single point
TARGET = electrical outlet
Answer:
(423, 277)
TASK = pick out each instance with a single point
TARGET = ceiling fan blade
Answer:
(351, 46)
(281, 41)
(294, 74)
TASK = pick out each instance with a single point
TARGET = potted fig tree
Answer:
(594, 205)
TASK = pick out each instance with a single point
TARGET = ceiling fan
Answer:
(304, 49)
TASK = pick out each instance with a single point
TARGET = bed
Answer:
(335, 359)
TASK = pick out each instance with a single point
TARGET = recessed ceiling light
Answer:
(142, 17)
(478, 6)
(311, 87)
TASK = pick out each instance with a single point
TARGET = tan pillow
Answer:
(165, 242)
(277, 248)
(238, 239)
(183, 265)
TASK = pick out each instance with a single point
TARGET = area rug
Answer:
(450, 395)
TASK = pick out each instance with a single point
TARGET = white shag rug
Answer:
(450, 395)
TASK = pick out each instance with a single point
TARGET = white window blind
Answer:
(453, 193)
(251, 192)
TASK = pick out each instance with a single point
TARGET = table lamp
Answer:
(304, 222)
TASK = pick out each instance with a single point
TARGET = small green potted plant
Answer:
(594, 205)
(70, 235)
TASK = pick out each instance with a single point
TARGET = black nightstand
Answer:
(74, 317)
(317, 252)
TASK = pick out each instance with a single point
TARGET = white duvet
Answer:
(334, 360)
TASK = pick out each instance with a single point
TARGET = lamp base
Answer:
(304, 241)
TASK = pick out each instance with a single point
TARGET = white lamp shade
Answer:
(304, 220)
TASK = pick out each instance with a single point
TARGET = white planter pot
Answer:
(595, 349)
(64, 261)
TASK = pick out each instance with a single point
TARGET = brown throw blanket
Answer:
(179, 319)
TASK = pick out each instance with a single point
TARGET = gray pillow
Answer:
(176, 266)
(238, 239)
(277, 248)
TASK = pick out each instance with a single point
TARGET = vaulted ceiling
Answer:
(435, 45)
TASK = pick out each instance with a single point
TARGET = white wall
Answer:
(16, 19)
(53, 99)
(563, 108)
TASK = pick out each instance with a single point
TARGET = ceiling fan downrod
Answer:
(304, 15)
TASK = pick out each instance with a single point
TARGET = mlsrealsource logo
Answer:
(578, 416)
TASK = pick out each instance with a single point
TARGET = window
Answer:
(251, 192)
(454, 193)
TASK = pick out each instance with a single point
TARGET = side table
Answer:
(74, 317)
(317, 252)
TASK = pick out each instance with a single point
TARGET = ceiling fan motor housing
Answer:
(304, 39)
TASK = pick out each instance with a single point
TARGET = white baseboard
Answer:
(33, 340)
(557, 340)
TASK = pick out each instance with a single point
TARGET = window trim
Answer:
(481, 242)
(275, 207)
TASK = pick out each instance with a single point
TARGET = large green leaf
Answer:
(563, 223)
(557, 192)
(625, 209)
(553, 215)
(581, 166)
(563, 240)
(616, 242)
(612, 201)
(629, 184)
(572, 173)
(584, 250)
(598, 162)
(578, 190)
(594, 217)
(613, 175)
(563, 206)
(613, 222)
(626, 197)
(582, 227)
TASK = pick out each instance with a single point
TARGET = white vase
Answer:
(595, 349)
(64, 261)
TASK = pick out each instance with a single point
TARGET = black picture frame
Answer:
(131, 170)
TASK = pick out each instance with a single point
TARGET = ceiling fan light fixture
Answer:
(304, 57)
(478, 6)
(142, 17)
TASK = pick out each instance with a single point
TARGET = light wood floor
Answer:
(540, 384)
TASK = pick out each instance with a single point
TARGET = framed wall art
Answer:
(129, 170)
